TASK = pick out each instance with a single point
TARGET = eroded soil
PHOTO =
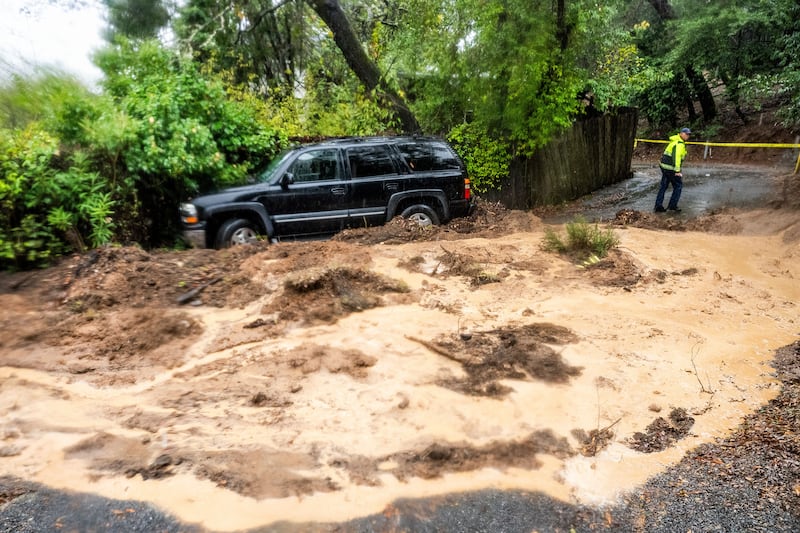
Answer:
(321, 380)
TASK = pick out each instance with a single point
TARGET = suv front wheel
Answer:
(422, 214)
(236, 231)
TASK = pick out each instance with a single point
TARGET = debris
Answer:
(192, 294)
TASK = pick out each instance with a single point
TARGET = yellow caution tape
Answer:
(737, 145)
(734, 145)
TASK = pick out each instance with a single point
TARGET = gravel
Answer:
(30, 508)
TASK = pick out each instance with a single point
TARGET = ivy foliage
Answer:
(487, 159)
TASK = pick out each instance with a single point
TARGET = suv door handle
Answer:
(392, 186)
(338, 191)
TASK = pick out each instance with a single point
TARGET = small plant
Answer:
(553, 242)
(582, 239)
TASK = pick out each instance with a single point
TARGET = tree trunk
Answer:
(700, 86)
(663, 8)
(362, 66)
(697, 82)
(562, 31)
(691, 113)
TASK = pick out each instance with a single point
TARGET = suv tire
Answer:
(422, 214)
(236, 231)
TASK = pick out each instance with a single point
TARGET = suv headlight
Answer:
(189, 213)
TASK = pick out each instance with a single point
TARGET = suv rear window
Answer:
(367, 161)
(422, 157)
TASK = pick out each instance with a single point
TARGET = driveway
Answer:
(706, 189)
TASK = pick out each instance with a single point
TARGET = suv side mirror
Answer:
(286, 180)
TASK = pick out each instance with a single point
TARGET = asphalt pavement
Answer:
(706, 189)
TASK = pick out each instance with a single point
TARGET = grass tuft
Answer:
(582, 239)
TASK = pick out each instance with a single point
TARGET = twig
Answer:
(192, 294)
(611, 425)
(437, 349)
(695, 351)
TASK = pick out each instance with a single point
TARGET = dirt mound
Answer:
(324, 294)
(487, 219)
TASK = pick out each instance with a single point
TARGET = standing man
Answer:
(671, 171)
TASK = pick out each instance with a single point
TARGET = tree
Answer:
(259, 42)
(496, 63)
(365, 69)
(726, 41)
(786, 15)
(138, 19)
(739, 46)
(279, 49)
(187, 135)
(691, 82)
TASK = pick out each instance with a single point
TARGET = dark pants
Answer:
(668, 178)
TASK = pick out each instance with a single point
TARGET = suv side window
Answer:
(369, 161)
(422, 157)
(316, 165)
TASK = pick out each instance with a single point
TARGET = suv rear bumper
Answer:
(461, 208)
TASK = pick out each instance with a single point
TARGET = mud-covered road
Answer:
(706, 189)
(395, 379)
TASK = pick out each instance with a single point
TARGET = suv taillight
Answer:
(467, 189)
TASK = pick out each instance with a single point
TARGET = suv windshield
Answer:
(266, 174)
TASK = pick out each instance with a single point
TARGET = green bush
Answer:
(83, 170)
(487, 159)
(583, 240)
(179, 134)
(48, 200)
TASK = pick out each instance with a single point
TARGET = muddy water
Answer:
(699, 341)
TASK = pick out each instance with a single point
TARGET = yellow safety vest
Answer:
(674, 154)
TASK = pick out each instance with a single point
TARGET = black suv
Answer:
(319, 189)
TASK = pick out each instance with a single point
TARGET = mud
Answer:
(323, 380)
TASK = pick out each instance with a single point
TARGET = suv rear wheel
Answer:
(422, 214)
(236, 231)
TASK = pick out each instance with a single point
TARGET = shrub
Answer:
(583, 240)
(82, 170)
(487, 159)
(49, 201)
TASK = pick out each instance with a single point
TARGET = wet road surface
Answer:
(705, 189)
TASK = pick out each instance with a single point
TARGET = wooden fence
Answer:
(594, 153)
